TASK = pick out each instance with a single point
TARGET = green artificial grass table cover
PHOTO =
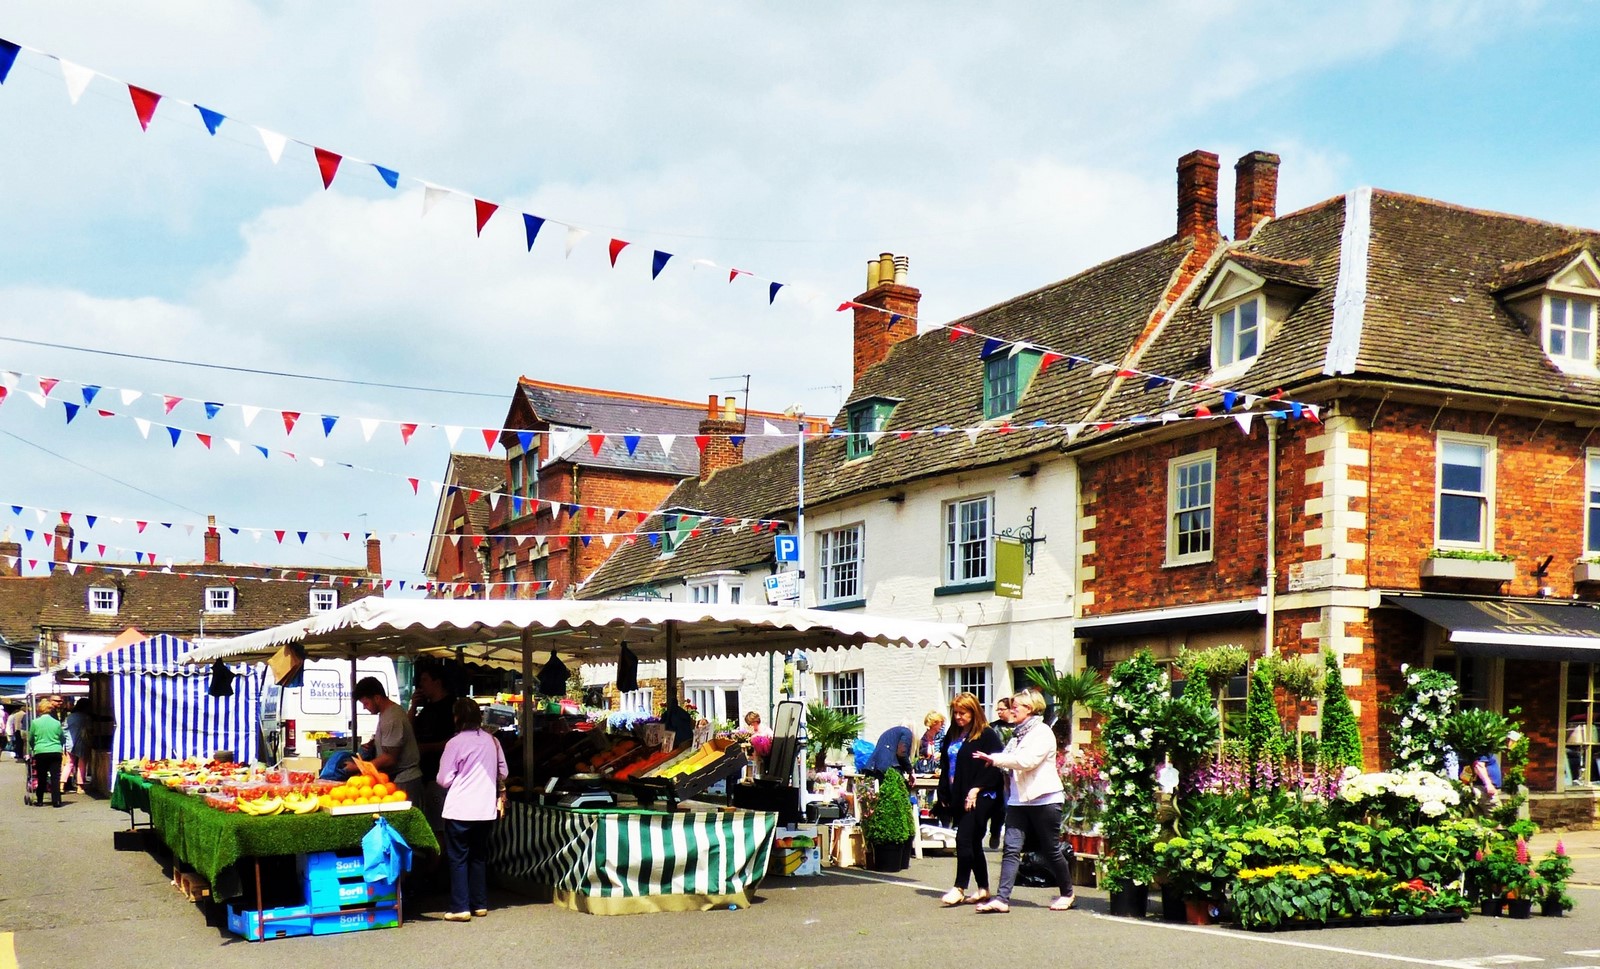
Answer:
(130, 792)
(210, 840)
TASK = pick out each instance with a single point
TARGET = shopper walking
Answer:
(970, 792)
(472, 770)
(75, 759)
(46, 739)
(17, 727)
(1034, 804)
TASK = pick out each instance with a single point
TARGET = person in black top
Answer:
(970, 792)
(433, 721)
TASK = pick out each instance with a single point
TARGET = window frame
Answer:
(956, 679)
(704, 593)
(993, 396)
(953, 543)
(101, 610)
(830, 565)
(1548, 330)
(1486, 514)
(832, 687)
(323, 593)
(1578, 748)
(213, 605)
(1220, 325)
(1591, 516)
(1175, 510)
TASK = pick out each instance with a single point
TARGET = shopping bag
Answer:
(386, 855)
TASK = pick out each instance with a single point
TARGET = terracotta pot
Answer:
(1199, 911)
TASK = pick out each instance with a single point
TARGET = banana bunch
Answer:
(261, 806)
(301, 803)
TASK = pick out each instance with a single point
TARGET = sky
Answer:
(1001, 149)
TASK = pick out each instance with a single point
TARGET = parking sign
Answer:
(786, 548)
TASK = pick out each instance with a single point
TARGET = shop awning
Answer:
(1504, 627)
(1145, 622)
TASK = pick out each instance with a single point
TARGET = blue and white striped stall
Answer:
(161, 707)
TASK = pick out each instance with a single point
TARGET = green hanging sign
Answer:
(1008, 565)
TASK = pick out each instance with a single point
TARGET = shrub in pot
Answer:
(890, 827)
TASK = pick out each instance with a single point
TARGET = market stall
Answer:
(642, 789)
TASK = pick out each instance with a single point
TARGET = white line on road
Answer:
(1236, 936)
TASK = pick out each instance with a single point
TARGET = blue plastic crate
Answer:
(273, 923)
(356, 920)
(324, 892)
(337, 864)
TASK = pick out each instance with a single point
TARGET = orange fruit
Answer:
(382, 778)
(381, 789)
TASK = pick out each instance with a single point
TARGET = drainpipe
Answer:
(1270, 645)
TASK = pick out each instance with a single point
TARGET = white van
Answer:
(321, 704)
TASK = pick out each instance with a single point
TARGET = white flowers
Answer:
(1433, 794)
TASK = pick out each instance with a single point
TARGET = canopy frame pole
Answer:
(355, 707)
(526, 729)
(672, 664)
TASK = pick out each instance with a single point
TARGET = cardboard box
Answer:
(274, 923)
(356, 920)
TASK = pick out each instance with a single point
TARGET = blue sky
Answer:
(999, 153)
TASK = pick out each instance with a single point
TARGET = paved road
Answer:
(68, 900)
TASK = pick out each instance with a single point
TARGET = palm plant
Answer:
(829, 729)
(1066, 690)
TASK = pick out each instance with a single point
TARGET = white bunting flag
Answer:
(255, 533)
(77, 79)
(1167, 417)
(129, 396)
(368, 426)
(1250, 401)
(494, 501)
(1245, 420)
(72, 568)
(874, 436)
(574, 236)
(438, 488)
(666, 443)
(1315, 410)
(1073, 430)
(1102, 370)
(189, 528)
(232, 444)
(972, 435)
(555, 508)
(770, 429)
(1172, 391)
(319, 462)
(431, 195)
(605, 539)
(274, 143)
(143, 426)
(452, 433)
(37, 398)
(249, 411)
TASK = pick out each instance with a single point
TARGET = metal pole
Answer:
(526, 731)
(672, 665)
(800, 551)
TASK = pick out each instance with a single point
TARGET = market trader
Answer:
(434, 723)
(394, 744)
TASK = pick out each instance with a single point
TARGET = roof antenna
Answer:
(744, 420)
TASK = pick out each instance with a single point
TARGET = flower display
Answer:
(1424, 706)
(1396, 794)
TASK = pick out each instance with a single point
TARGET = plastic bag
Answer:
(386, 855)
(862, 750)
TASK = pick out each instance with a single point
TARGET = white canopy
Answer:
(494, 630)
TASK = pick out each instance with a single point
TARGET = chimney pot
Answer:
(730, 408)
(873, 267)
(711, 406)
(374, 556)
(885, 268)
(1197, 196)
(1255, 192)
(213, 542)
(902, 269)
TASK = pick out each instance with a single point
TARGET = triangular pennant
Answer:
(129, 396)
(174, 433)
(473, 494)
(658, 262)
(1228, 397)
(302, 537)
(452, 433)
(772, 292)
(1245, 420)
(432, 195)
(89, 393)
(390, 177)
(280, 533)
(249, 413)
(991, 345)
(574, 236)
(47, 384)
(273, 142)
(327, 164)
(144, 105)
(168, 402)
(1202, 411)
(1314, 413)
(8, 57)
(596, 442)
(491, 437)
(265, 454)
(616, 247)
(494, 501)
(368, 425)
(701, 441)
(212, 119)
(77, 79)
(204, 439)
(328, 420)
(406, 430)
(212, 409)
(972, 435)
(289, 417)
(769, 429)
(666, 443)
(525, 438)
(632, 443)
(72, 410)
(483, 210)
(531, 225)
(1102, 370)
(415, 482)
(957, 332)
(232, 444)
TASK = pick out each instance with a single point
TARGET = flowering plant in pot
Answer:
(889, 828)
(1137, 686)
(1555, 871)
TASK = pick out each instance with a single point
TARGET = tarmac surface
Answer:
(68, 899)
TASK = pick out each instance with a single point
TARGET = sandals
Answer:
(952, 898)
(1063, 902)
(457, 916)
(980, 895)
(479, 913)
(993, 905)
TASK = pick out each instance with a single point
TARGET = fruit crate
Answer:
(386, 916)
(327, 890)
(273, 923)
(338, 864)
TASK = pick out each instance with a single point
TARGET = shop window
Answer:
(967, 679)
(1582, 741)
(842, 691)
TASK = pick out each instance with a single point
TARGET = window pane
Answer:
(1225, 325)
(1460, 518)
(1462, 466)
(1248, 332)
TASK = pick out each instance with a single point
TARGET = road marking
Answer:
(881, 881)
(1271, 940)
(1505, 960)
(8, 951)
(1583, 953)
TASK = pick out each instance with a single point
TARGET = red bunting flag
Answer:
(169, 402)
(406, 430)
(1005, 428)
(289, 417)
(701, 440)
(414, 483)
(1202, 411)
(843, 306)
(735, 274)
(473, 495)
(66, 518)
(280, 533)
(1105, 425)
(904, 435)
(596, 442)
(141, 526)
(491, 437)
(48, 384)
(327, 164)
(957, 332)
(144, 105)
(204, 439)
(1046, 359)
(1127, 373)
(486, 209)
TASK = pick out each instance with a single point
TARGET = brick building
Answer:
(582, 465)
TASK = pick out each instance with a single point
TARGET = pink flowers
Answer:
(1522, 852)
(1561, 849)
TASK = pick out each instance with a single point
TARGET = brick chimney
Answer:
(1197, 196)
(63, 550)
(892, 315)
(213, 554)
(721, 451)
(1255, 192)
(10, 556)
(374, 556)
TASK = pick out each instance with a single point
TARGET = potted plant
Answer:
(1197, 868)
(829, 729)
(1067, 690)
(1555, 871)
(1476, 733)
(1137, 687)
(888, 828)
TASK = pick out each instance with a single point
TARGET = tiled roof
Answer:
(616, 412)
(165, 602)
(20, 600)
(480, 473)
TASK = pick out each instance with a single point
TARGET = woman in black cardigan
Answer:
(970, 792)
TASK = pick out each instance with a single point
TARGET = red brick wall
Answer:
(1533, 686)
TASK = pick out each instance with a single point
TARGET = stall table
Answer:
(618, 861)
(212, 842)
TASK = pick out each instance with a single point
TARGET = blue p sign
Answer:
(786, 548)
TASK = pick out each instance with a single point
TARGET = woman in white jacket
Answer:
(1034, 804)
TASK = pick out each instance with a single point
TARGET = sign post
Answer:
(1009, 556)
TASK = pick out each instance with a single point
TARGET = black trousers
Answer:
(970, 829)
(47, 771)
(1043, 822)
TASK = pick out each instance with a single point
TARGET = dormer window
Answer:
(219, 599)
(103, 600)
(867, 418)
(1005, 378)
(1569, 329)
(1237, 335)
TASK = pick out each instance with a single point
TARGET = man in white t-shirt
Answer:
(394, 744)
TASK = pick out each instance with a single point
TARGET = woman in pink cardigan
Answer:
(1034, 803)
(472, 771)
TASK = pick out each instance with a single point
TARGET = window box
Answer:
(1476, 569)
(961, 590)
(1586, 572)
